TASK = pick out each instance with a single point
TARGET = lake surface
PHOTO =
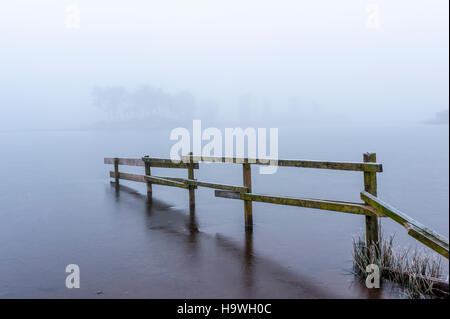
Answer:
(58, 207)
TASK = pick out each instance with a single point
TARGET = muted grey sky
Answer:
(326, 53)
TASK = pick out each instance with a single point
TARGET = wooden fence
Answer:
(372, 207)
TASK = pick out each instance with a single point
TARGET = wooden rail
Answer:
(371, 207)
(423, 234)
(154, 162)
(178, 180)
(343, 166)
(337, 206)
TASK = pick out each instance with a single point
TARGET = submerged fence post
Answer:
(148, 173)
(248, 209)
(191, 176)
(370, 186)
(116, 171)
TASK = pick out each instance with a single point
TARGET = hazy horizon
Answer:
(316, 62)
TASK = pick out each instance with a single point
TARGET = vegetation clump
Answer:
(419, 274)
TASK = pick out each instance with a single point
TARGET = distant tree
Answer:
(110, 99)
(441, 117)
(144, 101)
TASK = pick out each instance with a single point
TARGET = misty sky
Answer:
(316, 52)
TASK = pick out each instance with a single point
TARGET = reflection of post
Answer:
(193, 233)
(191, 176)
(248, 210)
(193, 227)
(248, 258)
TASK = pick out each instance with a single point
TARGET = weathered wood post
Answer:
(370, 186)
(116, 171)
(191, 176)
(148, 173)
(248, 209)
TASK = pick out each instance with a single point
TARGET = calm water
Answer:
(58, 207)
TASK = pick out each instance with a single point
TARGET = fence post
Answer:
(116, 171)
(248, 209)
(370, 186)
(149, 184)
(191, 176)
